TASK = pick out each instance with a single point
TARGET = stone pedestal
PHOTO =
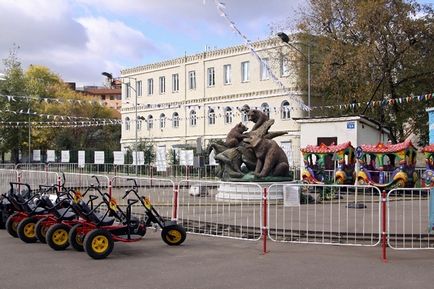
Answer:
(249, 192)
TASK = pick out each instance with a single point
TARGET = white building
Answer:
(199, 96)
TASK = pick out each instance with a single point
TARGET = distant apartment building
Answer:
(108, 96)
(199, 97)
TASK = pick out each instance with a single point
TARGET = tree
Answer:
(373, 49)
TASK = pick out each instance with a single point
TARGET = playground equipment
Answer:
(427, 179)
(388, 166)
(320, 161)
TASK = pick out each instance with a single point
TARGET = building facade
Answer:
(198, 97)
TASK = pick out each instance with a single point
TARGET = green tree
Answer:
(373, 48)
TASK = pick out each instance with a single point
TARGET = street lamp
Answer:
(285, 39)
(110, 78)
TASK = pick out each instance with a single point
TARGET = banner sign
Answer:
(140, 158)
(37, 155)
(212, 161)
(99, 157)
(65, 156)
(81, 159)
(118, 158)
(51, 156)
(161, 159)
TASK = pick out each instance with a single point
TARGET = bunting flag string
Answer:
(55, 116)
(52, 100)
(221, 8)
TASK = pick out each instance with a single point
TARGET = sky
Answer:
(79, 39)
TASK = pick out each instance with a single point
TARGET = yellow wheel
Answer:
(26, 230)
(57, 237)
(173, 235)
(98, 244)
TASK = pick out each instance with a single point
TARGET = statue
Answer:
(252, 155)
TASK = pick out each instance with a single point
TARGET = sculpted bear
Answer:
(271, 159)
(235, 135)
(258, 117)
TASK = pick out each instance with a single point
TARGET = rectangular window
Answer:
(245, 75)
(227, 74)
(192, 79)
(211, 76)
(126, 90)
(264, 69)
(162, 84)
(139, 88)
(175, 82)
(150, 86)
(284, 66)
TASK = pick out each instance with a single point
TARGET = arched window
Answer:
(285, 110)
(265, 109)
(150, 122)
(175, 120)
(244, 116)
(228, 115)
(162, 120)
(193, 118)
(127, 123)
(211, 116)
(139, 122)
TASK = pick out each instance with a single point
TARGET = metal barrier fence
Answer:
(7, 176)
(408, 219)
(35, 178)
(159, 191)
(231, 210)
(325, 214)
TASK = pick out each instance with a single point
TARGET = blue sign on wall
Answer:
(431, 124)
(351, 125)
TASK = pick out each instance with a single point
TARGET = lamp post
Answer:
(110, 78)
(285, 39)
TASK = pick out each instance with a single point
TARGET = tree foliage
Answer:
(38, 83)
(379, 49)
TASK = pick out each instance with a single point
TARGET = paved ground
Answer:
(204, 262)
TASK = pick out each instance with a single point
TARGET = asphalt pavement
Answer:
(207, 263)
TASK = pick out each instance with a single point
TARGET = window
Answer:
(284, 110)
(150, 122)
(127, 123)
(193, 118)
(245, 74)
(211, 76)
(264, 69)
(162, 120)
(265, 109)
(175, 120)
(244, 117)
(139, 122)
(112, 97)
(162, 84)
(175, 82)
(284, 66)
(227, 74)
(126, 90)
(211, 116)
(192, 79)
(139, 88)
(228, 115)
(150, 86)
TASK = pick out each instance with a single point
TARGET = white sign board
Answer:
(81, 159)
(291, 196)
(161, 159)
(99, 157)
(140, 158)
(37, 155)
(51, 156)
(118, 158)
(189, 157)
(65, 157)
(211, 157)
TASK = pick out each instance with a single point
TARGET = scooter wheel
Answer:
(173, 235)
(41, 230)
(26, 230)
(98, 244)
(12, 224)
(76, 237)
(57, 237)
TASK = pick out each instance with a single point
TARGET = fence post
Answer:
(384, 226)
(175, 203)
(59, 183)
(264, 222)
(110, 187)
